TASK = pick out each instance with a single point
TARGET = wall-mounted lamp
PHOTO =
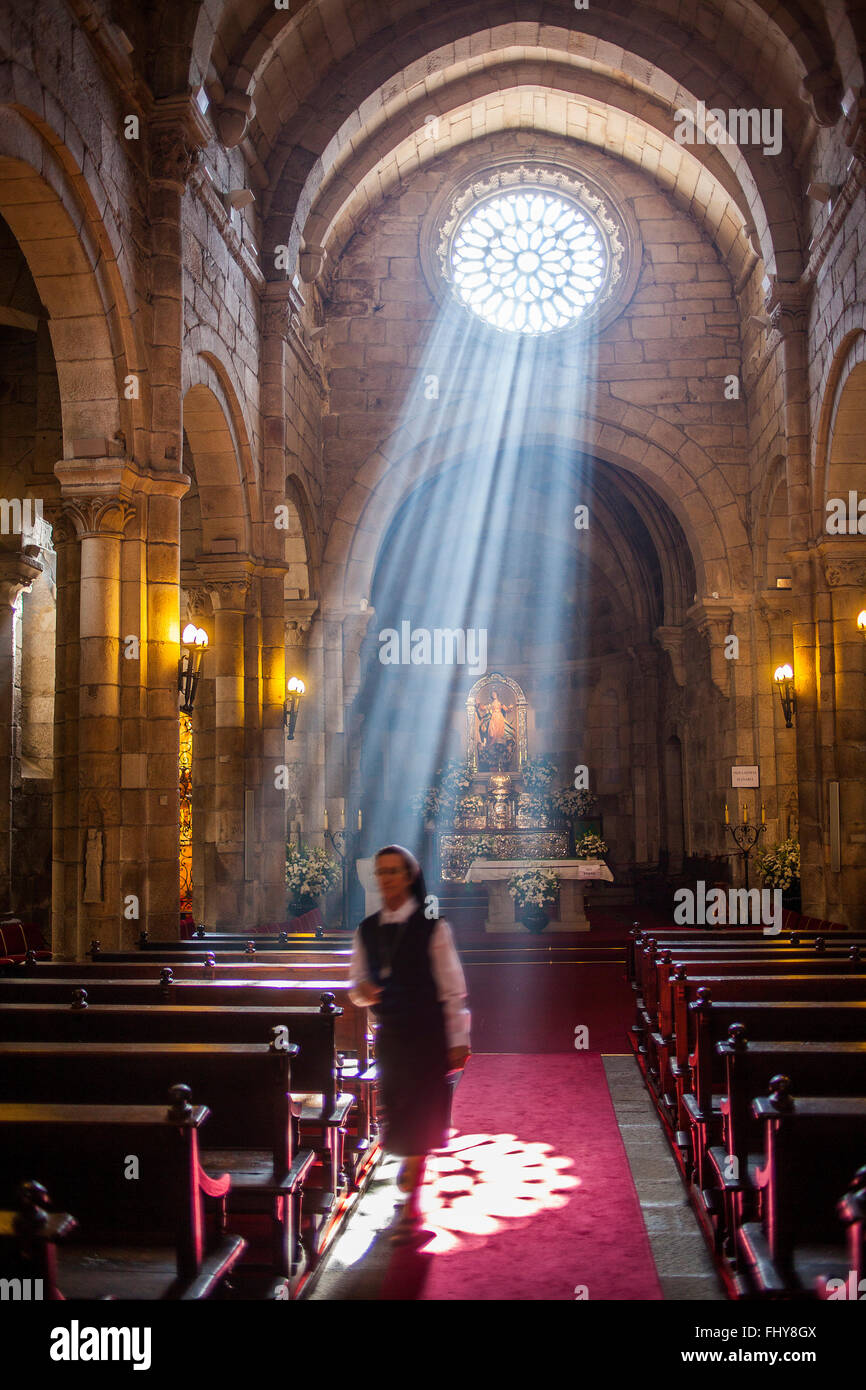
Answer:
(194, 640)
(784, 678)
(861, 621)
(294, 690)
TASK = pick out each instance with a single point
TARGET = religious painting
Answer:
(496, 718)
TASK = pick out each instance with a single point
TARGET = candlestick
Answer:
(727, 817)
(343, 816)
(745, 814)
(763, 815)
(359, 818)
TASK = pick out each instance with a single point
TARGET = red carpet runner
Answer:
(538, 1205)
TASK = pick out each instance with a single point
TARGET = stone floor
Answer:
(683, 1262)
(355, 1266)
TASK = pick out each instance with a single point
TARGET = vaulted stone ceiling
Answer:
(334, 98)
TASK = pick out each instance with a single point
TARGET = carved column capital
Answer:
(94, 515)
(821, 89)
(229, 595)
(18, 569)
(670, 639)
(281, 305)
(299, 613)
(178, 134)
(787, 304)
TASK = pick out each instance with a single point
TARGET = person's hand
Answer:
(458, 1057)
(372, 993)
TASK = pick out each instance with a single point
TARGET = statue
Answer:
(496, 736)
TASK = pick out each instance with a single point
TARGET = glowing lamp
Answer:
(294, 690)
(194, 641)
(784, 678)
(861, 621)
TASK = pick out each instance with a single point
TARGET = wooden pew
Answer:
(352, 1031)
(763, 1020)
(852, 1213)
(253, 1132)
(811, 1147)
(326, 1108)
(334, 966)
(141, 1237)
(28, 1237)
(822, 1069)
(792, 988)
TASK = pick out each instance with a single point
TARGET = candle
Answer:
(359, 818)
(326, 817)
(343, 816)
(727, 817)
(745, 814)
(763, 815)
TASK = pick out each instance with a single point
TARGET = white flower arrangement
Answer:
(538, 773)
(590, 847)
(779, 865)
(310, 872)
(533, 886)
(573, 803)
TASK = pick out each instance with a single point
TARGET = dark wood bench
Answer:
(335, 964)
(812, 1147)
(352, 1029)
(751, 1068)
(647, 949)
(141, 1231)
(253, 1131)
(28, 1237)
(326, 1109)
(703, 1076)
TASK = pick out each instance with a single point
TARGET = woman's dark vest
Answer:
(410, 988)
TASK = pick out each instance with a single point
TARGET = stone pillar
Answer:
(17, 572)
(846, 579)
(92, 809)
(788, 308)
(228, 584)
(301, 755)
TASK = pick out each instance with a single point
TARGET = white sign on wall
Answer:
(745, 777)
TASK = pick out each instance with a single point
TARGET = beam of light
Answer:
(485, 542)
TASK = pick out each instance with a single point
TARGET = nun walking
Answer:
(406, 969)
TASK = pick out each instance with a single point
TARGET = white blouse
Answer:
(444, 964)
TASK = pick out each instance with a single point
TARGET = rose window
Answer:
(528, 260)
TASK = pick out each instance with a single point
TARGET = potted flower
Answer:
(531, 889)
(590, 847)
(538, 773)
(576, 806)
(309, 874)
(779, 867)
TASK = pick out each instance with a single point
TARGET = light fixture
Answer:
(861, 621)
(194, 639)
(294, 690)
(784, 678)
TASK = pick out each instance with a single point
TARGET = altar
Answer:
(571, 874)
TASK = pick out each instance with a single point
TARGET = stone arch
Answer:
(301, 547)
(772, 531)
(204, 364)
(75, 263)
(215, 456)
(842, 419)
(396, 466)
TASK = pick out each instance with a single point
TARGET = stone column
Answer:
(17, 573)
(846, 579)
(788, 308)
(228, 584)
(93, 809)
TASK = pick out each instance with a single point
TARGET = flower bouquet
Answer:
(574, 804)
(590, 847)
(531, 889)
(309, 874)
(779, 865)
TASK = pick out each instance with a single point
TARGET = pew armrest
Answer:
(215, 1266)
(214, 1187)
(301, 1165)
(341, 1110)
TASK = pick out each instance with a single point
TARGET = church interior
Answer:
(436, 426)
